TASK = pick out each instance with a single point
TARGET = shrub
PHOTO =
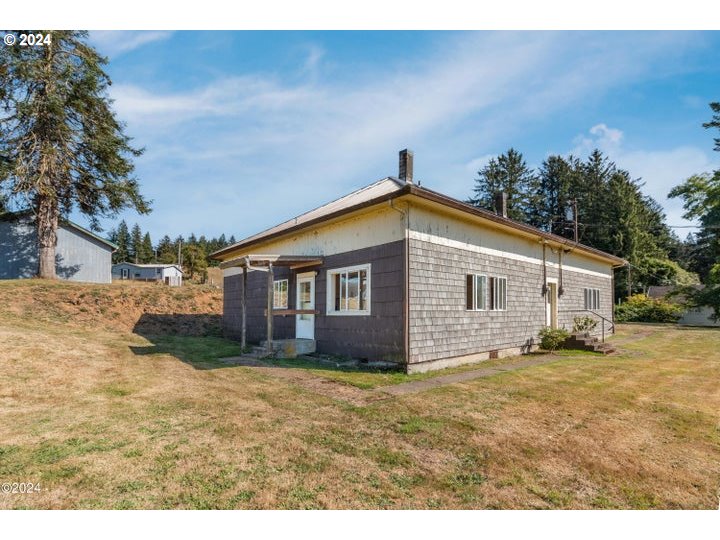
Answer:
(552, 338)
(584, 323)
(641, 308)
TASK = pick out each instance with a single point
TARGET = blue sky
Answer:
(243, 130)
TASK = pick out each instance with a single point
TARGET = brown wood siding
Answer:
(441, 326)
(378, 336)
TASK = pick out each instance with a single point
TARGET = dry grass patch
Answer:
(106, 418)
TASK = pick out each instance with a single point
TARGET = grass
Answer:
(110, 419)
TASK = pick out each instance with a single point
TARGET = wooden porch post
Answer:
(243, 303)
(270, 294)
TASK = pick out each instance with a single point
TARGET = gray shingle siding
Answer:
(440, 325)
(378, 336)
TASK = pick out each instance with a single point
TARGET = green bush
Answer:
(584, 323)
(641, 308)
(552, 338)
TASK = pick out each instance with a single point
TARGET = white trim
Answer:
(490, 308)
(330, 296)
(448, 242)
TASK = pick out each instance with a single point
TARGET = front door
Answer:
(551, 305)
(305, 323)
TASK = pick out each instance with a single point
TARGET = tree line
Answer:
(192, 252)
(611, 211)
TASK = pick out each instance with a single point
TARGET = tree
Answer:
(122, 239)
(64, 147)
(136, 244)
(555, 182)
(194, 260)
(148, 255)
(510, 174)
(166, 252)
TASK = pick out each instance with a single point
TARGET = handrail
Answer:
(603, 319)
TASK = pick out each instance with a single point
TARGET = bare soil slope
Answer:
(142, 308)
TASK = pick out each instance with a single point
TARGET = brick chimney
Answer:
(406, 166)
(501, 203)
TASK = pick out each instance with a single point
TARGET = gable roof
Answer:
(9, 216)
(390, 188)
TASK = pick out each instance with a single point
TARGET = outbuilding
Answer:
(169, 274)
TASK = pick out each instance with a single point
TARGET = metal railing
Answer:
(611, 328)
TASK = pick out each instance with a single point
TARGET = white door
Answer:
(551, 305)
(305, 324)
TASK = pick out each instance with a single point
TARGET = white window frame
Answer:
(591, 297)
(124, 273)
(475, 280)
(330, 287)
(276, 287)
(494, 295)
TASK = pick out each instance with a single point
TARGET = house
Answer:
(169, 274)
(80, 254)
(699, 316)
(401, 273)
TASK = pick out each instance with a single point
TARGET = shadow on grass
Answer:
(195, 339)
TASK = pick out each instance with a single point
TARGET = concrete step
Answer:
(288, 348)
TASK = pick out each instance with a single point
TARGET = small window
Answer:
(592, 298)
(280, 294)
(498, 293)
(158, 271)
(476, 292)
(349, 291)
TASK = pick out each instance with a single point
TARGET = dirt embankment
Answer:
(143, 308)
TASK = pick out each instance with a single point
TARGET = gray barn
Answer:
(80, 255)
(397, 272)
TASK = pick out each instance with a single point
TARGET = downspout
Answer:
(406, 276)
(560, 273)
(544, 285)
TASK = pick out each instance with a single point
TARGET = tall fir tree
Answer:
(510, 174)
(148, 254)
(62, 145)
(166, 252)
(136, 252)
(122, 254)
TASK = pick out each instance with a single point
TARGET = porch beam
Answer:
(270, 298)
(243, 307)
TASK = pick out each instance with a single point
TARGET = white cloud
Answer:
(117, 42)
(331, 134)
(660, 170)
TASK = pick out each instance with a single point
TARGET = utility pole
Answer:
(575, 220)
(179, 257)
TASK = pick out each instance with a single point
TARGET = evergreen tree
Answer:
(147, 253)
(122, 254)
(510, 174)
(167, 254)
(194, 260)
(136, 252)
(555, 182)
(62, 146)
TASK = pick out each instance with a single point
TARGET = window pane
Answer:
(338, 291)
(492, 291)
(469, 291)
(363, 289)
(353, 291)
(481, 292)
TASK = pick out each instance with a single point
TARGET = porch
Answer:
(305, 312)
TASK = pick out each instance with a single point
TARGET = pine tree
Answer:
(167, 254)
(510, 174)
(148, 254)
(194, 260)
(122, 254)
(136, 244)
(63, 147)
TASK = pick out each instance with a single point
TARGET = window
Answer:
(498, 293)
(476, 292)
(592, 298)
(158, 271)
(124, 273)
(280, 294)
(349, 291)
(485, 293)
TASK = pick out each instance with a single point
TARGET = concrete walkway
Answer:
(413, 387)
